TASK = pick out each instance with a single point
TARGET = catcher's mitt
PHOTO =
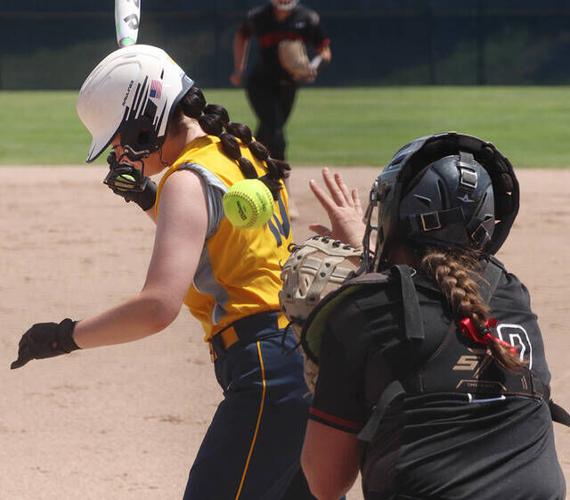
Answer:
(314, 269)
(293, 58)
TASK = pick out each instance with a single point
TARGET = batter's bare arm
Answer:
(180, 235)
(181, 224)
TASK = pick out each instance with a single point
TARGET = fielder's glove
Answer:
(293, 58)
(46, 340)
(129, 183)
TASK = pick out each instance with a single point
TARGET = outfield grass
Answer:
(355, 126)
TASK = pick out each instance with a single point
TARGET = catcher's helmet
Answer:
(285, 4)
(133, 91)
(447, 190)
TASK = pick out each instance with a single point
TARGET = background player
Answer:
(270, 88)
(416, 362)
(142, 104)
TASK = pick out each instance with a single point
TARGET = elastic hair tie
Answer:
(485, 337)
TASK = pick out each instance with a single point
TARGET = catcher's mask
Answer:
(314, 269)
(285, 4)
(446, 190)
(133, 92)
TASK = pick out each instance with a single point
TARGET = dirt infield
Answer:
(125, 422)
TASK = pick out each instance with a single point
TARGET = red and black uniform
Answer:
(270, 89)
(440, 419)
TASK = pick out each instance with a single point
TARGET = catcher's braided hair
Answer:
(454, 272)
(215, 120)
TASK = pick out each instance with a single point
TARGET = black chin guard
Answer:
(124, 176)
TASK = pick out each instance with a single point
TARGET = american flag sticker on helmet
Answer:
(155, 89)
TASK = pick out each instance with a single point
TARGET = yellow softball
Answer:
(248, 204)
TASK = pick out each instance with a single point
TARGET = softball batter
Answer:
(139, 102)
(433, 380)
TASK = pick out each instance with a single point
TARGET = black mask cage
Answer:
(132, 179)
(391, 185)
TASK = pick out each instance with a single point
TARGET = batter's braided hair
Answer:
(455, 271)
(215, 120)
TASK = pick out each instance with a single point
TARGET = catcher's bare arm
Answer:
(330, 460)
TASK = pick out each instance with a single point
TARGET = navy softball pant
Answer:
(252, 448)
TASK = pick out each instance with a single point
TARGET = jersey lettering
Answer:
(518, 337)
(280, 229)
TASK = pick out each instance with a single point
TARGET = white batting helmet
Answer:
(285, 4)
(134, 91)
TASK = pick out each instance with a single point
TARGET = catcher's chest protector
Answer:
(456, 367)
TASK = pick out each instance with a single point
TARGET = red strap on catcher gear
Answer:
(485, 337)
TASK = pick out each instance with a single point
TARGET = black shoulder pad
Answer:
(314, 326)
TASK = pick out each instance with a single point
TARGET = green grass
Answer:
(357, 126)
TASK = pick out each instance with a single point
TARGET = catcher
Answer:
(433, 380)
(282, 29)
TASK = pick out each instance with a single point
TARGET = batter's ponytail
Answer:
(455, 272)
(215, 120)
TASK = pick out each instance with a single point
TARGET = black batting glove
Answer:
(46, 340)
(129, 183)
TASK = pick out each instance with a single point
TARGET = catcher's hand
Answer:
(343, 207)
(46, 340)
(293, 58)
(129, 183)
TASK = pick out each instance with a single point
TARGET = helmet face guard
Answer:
(498, 203)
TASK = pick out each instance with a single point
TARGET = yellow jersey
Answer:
(239, 270)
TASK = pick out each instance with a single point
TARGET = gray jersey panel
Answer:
(215, 190)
